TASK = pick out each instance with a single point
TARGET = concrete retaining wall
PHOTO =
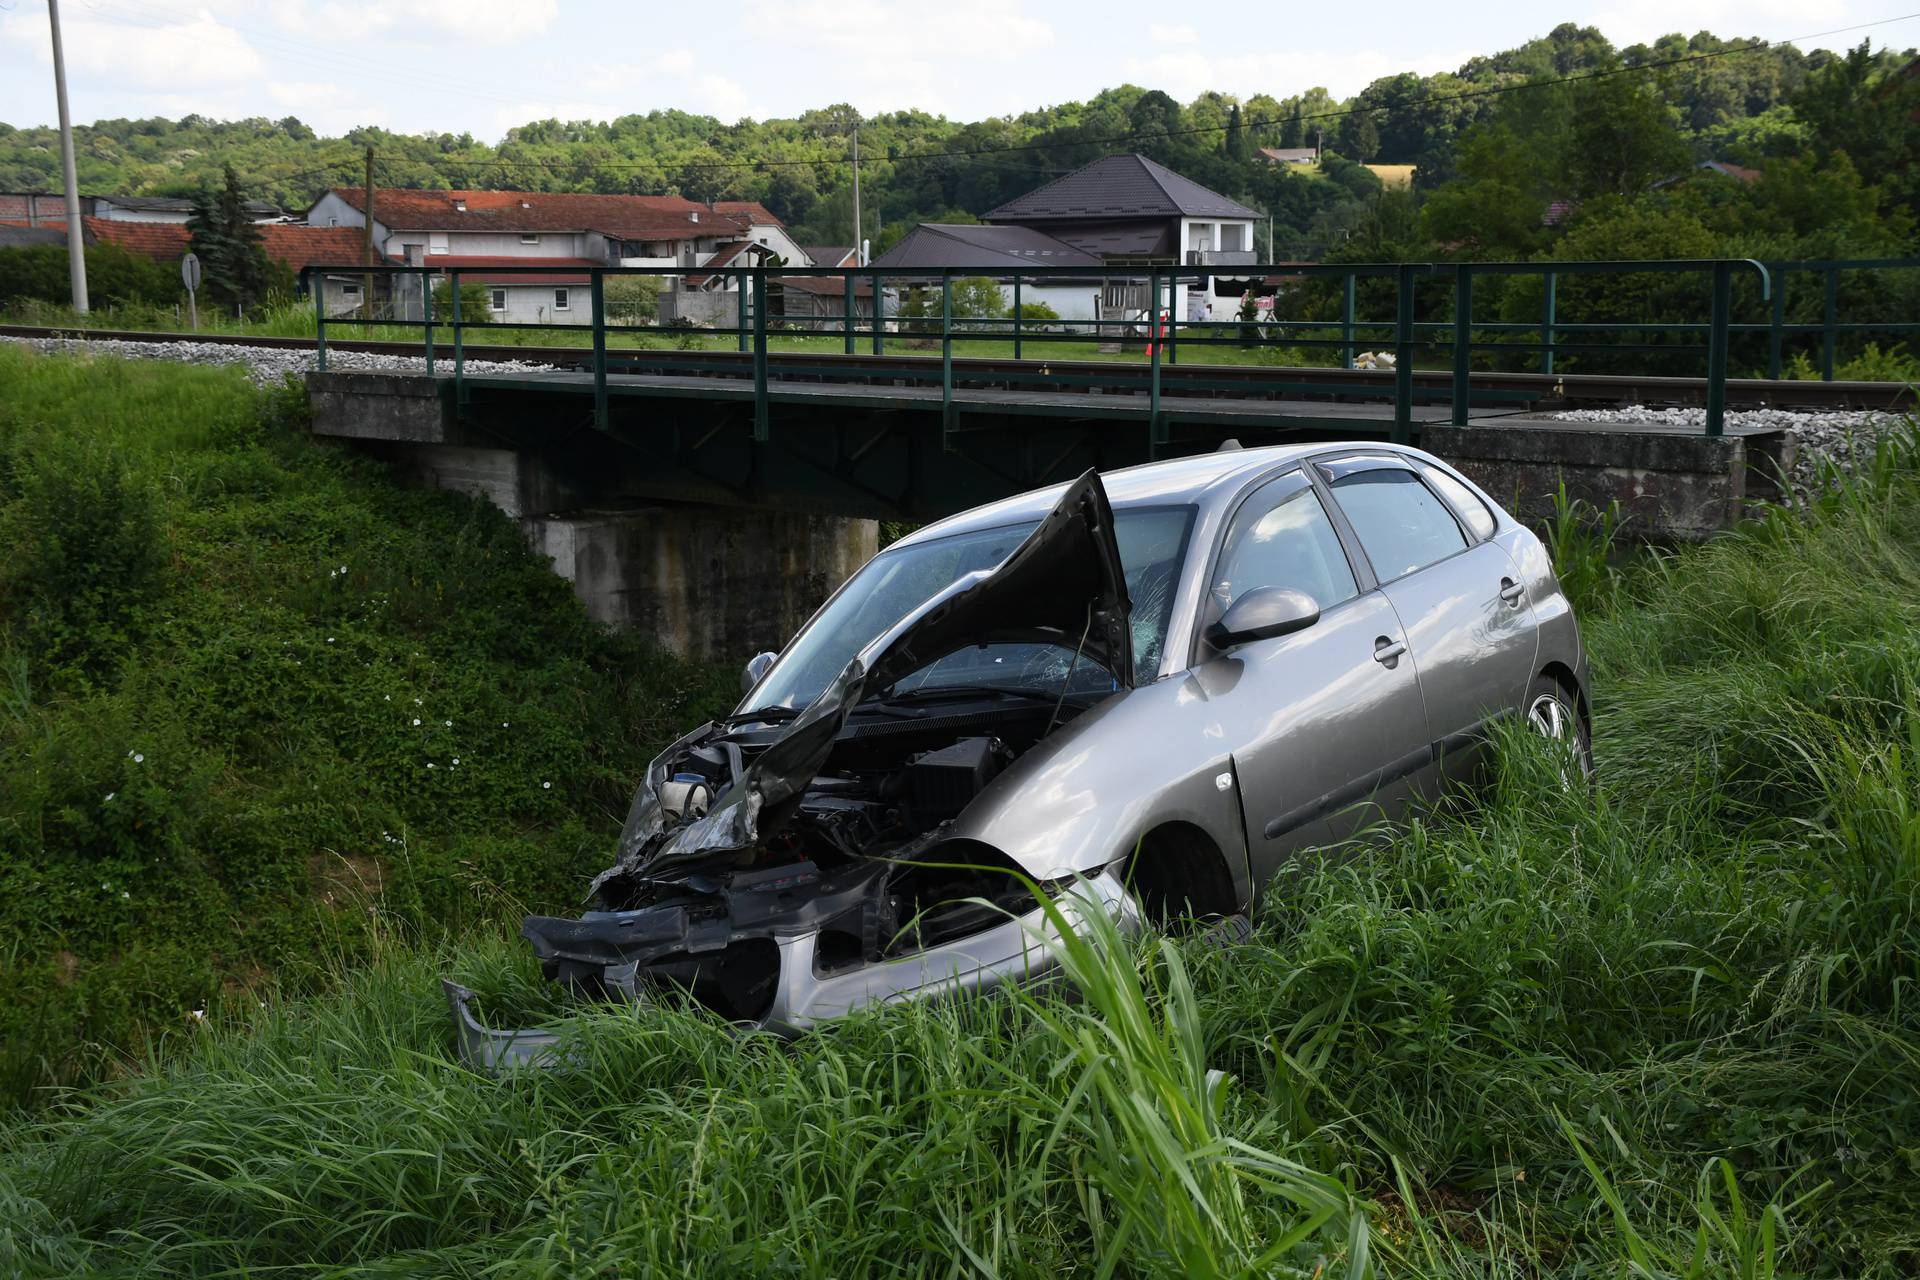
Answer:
(714, 584)
(1670, 486)
(719, 584)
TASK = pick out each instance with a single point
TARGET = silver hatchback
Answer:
(1158, 686)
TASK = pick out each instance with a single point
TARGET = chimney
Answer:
(459, 204)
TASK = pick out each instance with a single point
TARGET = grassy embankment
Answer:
(248, 682)
(1667, 1029)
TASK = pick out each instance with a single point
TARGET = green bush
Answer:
(115, 277)
(254, 686)
(86, 551)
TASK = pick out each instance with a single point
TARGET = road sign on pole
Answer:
(190, 276)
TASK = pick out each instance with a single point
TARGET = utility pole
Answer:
(76, 246)
(858, 257)
(366, 284)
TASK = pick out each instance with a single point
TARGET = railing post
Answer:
(1462, 341)
(745, 344)
(760, 432)
(846, 286)
(946, 358)
(1829, 315)
(879, 315)
(1776, 322)
(320, 321)
(1403, 356)
(1174, 289)
(1717, 348)
(459, 345)
(426, 318)
(1153, 361)
(1016, 315)
(1548, 314)
(596, 284)
(1346, 322)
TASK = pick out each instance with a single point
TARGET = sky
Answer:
(482, 66)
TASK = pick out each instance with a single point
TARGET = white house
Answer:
(1119, 211)
(478, 233)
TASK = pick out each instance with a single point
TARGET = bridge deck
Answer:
(1118, 405)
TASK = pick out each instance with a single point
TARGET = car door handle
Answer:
(1387, 651)
(1511, 591)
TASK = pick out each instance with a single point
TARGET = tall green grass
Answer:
(250, 682)
(1667, 1028)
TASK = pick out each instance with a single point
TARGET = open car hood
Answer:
(1063, 585)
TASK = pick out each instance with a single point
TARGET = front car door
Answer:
(1318, 719)
(1469, 626)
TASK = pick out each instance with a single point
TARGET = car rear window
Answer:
(1400, 523)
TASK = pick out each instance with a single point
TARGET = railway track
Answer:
(1558, 390)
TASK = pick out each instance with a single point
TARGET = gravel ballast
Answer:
(265, 365)
(1842, 437)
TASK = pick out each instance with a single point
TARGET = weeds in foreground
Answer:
(1665, 1029)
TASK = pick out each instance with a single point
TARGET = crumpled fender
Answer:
(1084, 796)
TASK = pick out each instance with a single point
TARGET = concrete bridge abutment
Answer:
(711, 583)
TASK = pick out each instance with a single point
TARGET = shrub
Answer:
(86, 551)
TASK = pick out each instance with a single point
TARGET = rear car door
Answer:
(1315, 720)
(1469, 626)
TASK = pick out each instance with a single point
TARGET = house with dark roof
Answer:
(1119, 211)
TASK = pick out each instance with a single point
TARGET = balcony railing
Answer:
(1221, 257)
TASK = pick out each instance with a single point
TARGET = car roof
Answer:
(1193, 480)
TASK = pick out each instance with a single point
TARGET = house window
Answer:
(530, 239)
(560, 299)
(499, 302)
(436, 242)
(333, 222)
(349, 289)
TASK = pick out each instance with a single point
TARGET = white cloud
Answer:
(1177, 33)
(471, 22)
(869, 30)
(149, 54)
(1635, 21)
(1281, 74)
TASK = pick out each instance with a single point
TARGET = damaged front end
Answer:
(786, 865)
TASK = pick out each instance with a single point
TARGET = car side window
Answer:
(1465, 502)
(1282, 537)
(1401, 524)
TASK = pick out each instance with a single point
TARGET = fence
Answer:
(865, 307)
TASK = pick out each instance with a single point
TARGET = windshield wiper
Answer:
(957, 692)
(763, 715)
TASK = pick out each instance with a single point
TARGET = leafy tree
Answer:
(226, 240)
(1868, 109)
(1623, 139)
(1359, 137)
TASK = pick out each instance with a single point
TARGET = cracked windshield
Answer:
(899, 580)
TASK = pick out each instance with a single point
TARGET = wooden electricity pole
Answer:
(859, 258)
(366, 285)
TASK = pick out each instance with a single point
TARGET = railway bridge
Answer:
(712, 484)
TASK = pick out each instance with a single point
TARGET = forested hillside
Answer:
(1495, 144)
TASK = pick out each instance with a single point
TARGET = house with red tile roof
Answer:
(476, 230)
(298, 248)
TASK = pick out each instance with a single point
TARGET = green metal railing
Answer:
(873, 305)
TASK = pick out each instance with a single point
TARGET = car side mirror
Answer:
(1261, 614)
(757, 666)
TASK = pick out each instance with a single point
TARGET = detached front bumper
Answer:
(1021, 949)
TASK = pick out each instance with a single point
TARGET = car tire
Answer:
(1554, 711)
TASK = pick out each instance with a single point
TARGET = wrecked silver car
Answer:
(1157, 690)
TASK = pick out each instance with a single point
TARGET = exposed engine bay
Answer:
(835, 819)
